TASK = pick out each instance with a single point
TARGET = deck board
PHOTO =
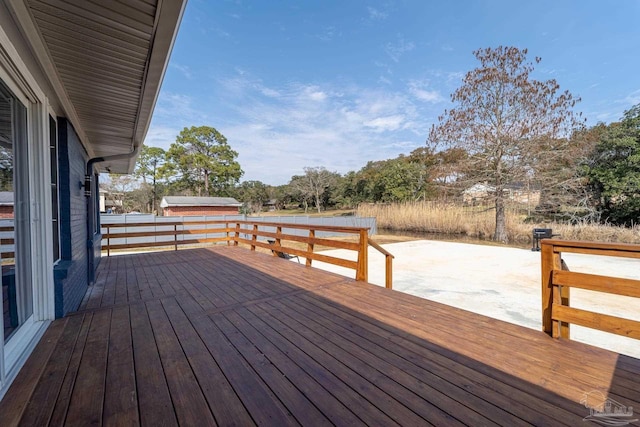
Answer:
(215, 386)
(226, 336)
(48, 388)
(120, 398)
(86, 405)
(154, 399)
(64, 396)
(420, 361)
(394, 378)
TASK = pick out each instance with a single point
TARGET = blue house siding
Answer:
(71, 273)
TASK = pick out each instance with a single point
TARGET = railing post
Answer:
(254, 237)
(388, 272)
(237, 234)
(278, 241)
(564, 298)
(226, 231)
(550, 260)
(175, 236)
(310, 245)
(363, 258)
(108, 240)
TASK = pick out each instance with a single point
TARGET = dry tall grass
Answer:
(479, 222)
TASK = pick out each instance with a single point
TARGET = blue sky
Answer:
(330, 83)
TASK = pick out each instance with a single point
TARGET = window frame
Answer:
(54, 163)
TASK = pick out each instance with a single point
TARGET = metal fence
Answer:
(156, 225)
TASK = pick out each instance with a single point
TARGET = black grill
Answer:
(539, 234)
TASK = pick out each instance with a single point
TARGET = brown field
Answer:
(479, 222)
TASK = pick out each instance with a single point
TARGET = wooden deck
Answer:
(227, 336)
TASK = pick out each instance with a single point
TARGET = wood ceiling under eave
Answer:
(101, 51)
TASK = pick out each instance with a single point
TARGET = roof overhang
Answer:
(105, 61)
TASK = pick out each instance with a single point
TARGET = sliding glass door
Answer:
(17, 290)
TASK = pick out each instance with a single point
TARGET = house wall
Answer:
(71, 272)
(200, 210)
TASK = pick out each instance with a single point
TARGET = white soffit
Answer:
(106, 61)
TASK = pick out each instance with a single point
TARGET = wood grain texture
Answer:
(603, 322)
(229, 336)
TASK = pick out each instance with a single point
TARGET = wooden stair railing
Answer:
(388, 258)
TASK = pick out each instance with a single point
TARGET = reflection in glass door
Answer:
(17, 292)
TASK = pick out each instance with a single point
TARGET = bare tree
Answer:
(313, 184)
(119, 187)
(507, 122)
(148, 165)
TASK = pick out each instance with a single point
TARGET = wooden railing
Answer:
(388, 264)
(557, 314)
(255, 235)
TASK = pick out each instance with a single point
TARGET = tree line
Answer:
(505, 129)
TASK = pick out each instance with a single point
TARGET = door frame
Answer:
(17, 77)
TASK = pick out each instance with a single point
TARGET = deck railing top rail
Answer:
(255, 234)
(332, 228)
(624, 250)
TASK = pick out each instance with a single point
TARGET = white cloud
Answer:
(376, 15)
(222, 33)
(175, 105)
(278, 130)
(185, 70)
(427, 95)
(384, 66)
(419, 90)
(387, 123)
(161, 136)
(317, 96)
(455, 77)
(173, 112)
(340, 128)
(633, 98)
(605, 117)
(328, 34)
(399, 48)
(270, 92)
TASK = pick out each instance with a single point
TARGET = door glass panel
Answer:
(17, 292)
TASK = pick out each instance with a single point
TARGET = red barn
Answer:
(191, 206)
